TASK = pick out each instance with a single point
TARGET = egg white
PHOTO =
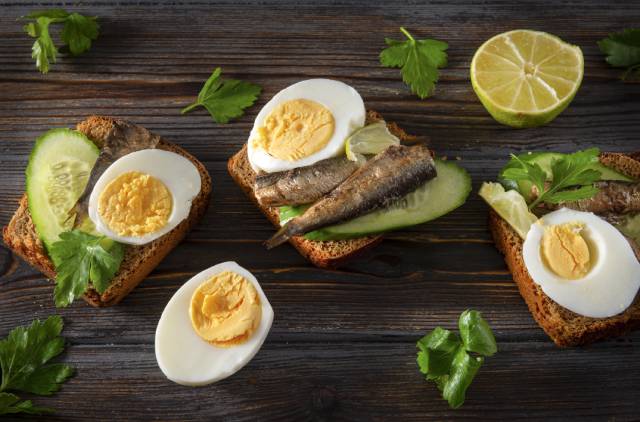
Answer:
(613, 281)
(342, 100)
(187, 359)
(177, 173)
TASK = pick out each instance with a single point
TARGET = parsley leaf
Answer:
(77, 34)
(569, 171)
(225, 99)
(24, 357)
(623, 50)
(444, 357)
(79, 258)
(418, 61)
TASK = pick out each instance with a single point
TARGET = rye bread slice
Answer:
(565, 327)
(323, 254)
(21, 237)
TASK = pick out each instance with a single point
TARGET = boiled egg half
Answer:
(582, 262)
(143, 195)
(303, 124)
(212, 326)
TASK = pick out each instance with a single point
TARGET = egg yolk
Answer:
(565, 250)
(135, 204)
(295, 129)
(225, 310)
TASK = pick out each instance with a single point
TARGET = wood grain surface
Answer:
(342, 346)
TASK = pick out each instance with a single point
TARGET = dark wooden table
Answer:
(342, 346)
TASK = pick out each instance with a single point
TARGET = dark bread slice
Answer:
(565, 327)
(325, 254)
(21, 237)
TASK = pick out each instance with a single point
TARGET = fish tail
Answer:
(280, 237)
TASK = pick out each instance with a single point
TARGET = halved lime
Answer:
(526, 78)
(371, 139)
(510, 205)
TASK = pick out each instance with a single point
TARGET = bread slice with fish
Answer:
(21, 237)
(563, 326)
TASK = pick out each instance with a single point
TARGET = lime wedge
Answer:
(371, 139)
(510, 205)
(526, 78)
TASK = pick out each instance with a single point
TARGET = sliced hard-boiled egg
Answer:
(304, 123)
(582, 262)
(212, 326)
(143, 195)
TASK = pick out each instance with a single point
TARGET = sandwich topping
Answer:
(225, 310)
(574, 253)
(135, 204)
(212, 326)
(565, 251)
(295, 129)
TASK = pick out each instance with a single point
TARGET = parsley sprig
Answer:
(418, 60)
(77, 33)
(451, 361)
(572, 177)
(225, 99)
(79, 258)
(623, 50)
(24, 359)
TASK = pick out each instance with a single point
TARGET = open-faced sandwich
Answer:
(333, 177)
(104, 204)
(569, 228)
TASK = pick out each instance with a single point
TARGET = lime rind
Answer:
(529, 118)
(509, 205)
(369, 140)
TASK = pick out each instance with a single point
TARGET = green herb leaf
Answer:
(476, 334)
(623, 50)
(77, 33)
(43, 49)
(463, 371)
(418, 60)
(568, 172)
(24, 357)
(439, 348)
(445, 358)
(583, 192)
(79, 258)
(10, 403)
(225, 99)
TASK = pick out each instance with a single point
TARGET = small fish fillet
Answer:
(123, 138)
(387, 177)
(303, 185)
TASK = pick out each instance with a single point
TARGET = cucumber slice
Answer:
(58, 171)
(544, 160)
(435, 198)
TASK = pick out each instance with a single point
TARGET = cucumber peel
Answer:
(435, 198)
(58, 171)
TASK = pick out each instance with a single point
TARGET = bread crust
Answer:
(565, 327)
(21, 237)
(323, 254)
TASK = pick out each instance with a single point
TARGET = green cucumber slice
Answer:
(435, 198)
(544, 160)
(57, 173)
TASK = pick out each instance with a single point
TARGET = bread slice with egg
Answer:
(565, 327)
(324, 254)
(21, 237)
